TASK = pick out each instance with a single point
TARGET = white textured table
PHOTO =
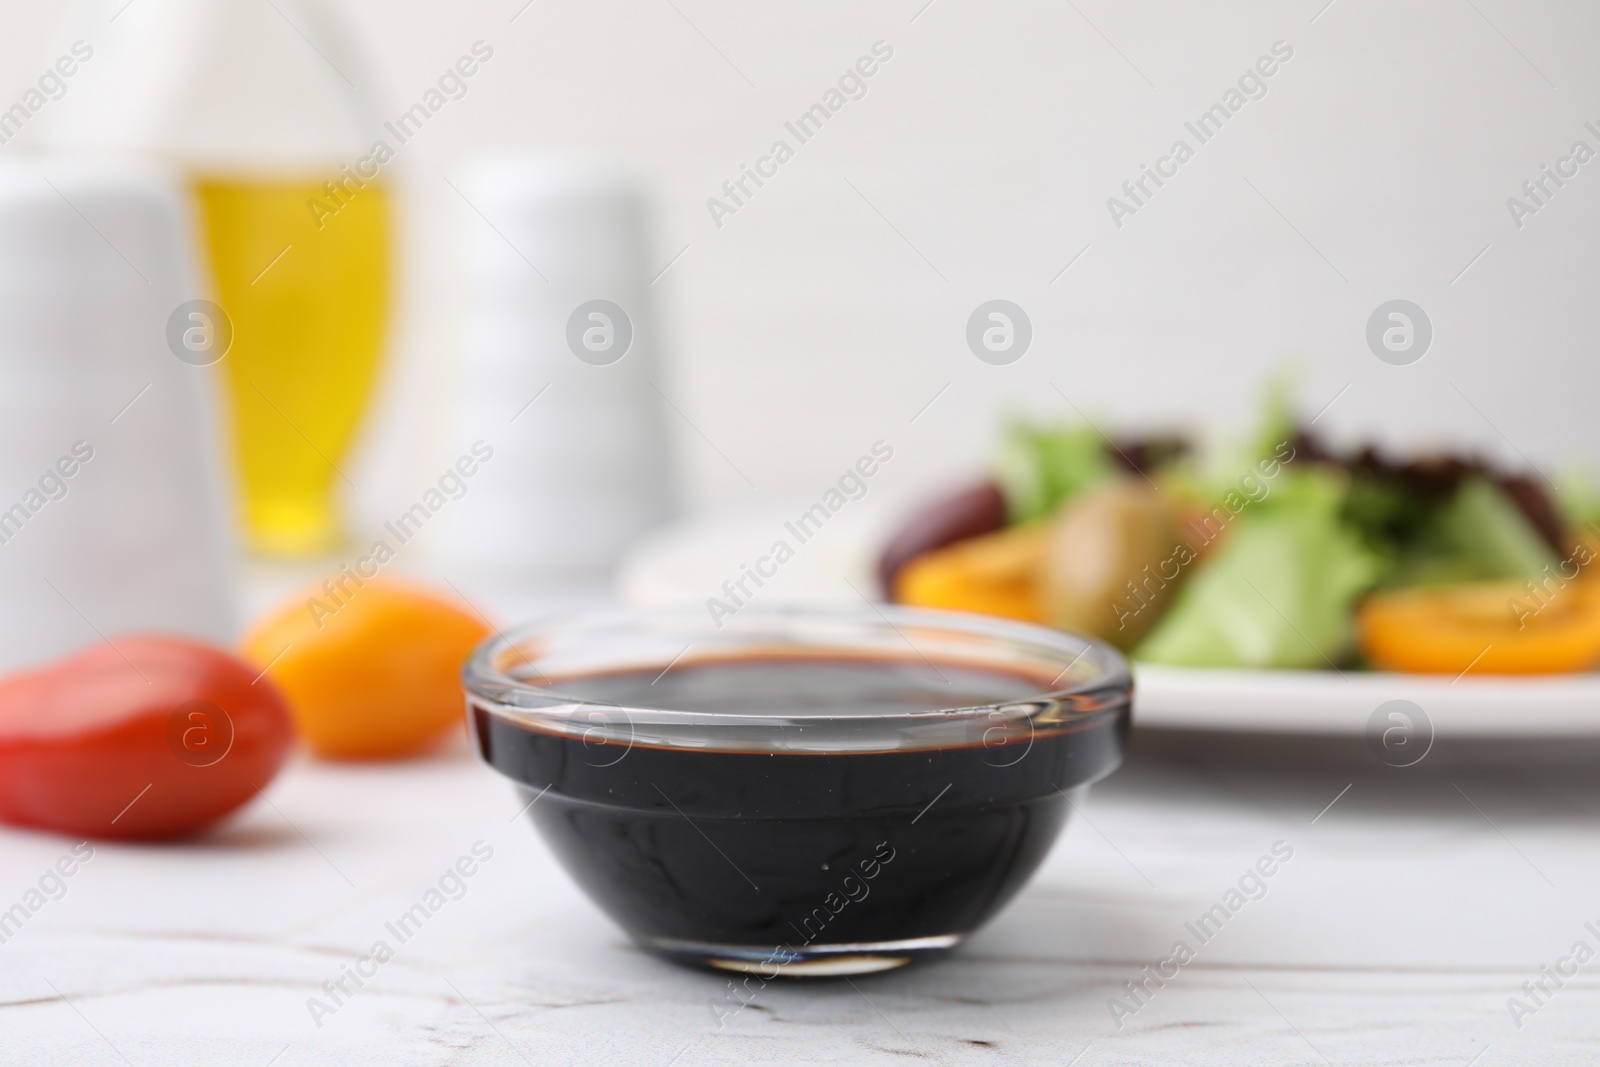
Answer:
(1408, 914)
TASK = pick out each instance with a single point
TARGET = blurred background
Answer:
(829, 309)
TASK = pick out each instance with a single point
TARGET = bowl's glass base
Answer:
(810, 961)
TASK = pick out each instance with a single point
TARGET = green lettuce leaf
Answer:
(1038, 469)
(1479, 534)
(1279, 591)
(1578, 497)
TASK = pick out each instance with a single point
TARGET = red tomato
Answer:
(154, 738)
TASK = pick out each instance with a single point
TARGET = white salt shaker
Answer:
(112, 505)
(561, 372)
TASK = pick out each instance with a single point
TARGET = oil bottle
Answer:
(267, 108)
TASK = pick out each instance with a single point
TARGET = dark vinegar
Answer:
(707, 842)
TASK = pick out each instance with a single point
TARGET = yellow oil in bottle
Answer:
(303, 273)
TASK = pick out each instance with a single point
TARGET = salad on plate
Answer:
(1286, 553)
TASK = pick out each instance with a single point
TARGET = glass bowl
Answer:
(798, 791)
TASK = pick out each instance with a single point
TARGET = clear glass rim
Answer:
(489, 684)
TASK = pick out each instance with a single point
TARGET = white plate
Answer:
(1323, 702)
(689, 562)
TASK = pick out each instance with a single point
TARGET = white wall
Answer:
(806, 327)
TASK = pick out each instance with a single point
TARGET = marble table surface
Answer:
(1413, 906)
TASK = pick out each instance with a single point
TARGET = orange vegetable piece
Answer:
(996, 574)
(1493, 627)
(376, 677)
